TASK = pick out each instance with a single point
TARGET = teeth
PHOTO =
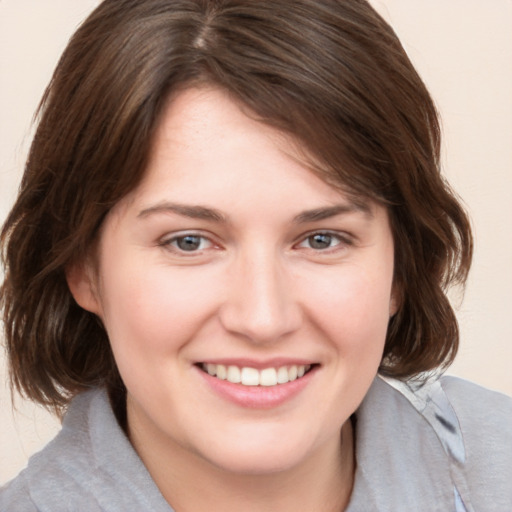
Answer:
(234, 374)
(252, 377)
(282, 375)
(268, 377)
(222, 372)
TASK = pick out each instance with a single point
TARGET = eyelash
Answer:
(171, 243)
(343, 241)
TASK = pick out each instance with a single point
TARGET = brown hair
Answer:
(330, 73)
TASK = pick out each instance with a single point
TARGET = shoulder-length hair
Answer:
(332, 74)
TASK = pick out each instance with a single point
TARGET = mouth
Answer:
(248, 376)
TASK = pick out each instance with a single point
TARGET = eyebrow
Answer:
(191, 211)
(212, 214)
(318, 214)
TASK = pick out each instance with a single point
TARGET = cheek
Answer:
(150, 315)
(153, 308)
(352, 305)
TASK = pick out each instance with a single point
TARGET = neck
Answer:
(191, 484)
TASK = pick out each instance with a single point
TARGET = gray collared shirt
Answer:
(445, 446)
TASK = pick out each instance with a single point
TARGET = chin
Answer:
(258, 454)
(243, 462)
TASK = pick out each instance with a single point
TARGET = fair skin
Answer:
(231, 253)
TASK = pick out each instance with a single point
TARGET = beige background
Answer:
(462, 48)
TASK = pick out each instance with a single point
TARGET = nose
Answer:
(261, 305)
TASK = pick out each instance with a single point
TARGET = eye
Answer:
(188, 243)
(322, 241)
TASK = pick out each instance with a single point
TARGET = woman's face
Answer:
(233, 261)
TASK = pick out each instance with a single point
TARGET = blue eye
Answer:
(189, 243)
(321, 241)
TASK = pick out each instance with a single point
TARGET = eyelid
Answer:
(167, 240)
(345, 240)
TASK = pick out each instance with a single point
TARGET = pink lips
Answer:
(257, 397)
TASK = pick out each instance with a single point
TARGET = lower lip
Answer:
(257, 397)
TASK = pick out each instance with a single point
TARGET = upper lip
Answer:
(259, 364)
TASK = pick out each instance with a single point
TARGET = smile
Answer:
(248, 376)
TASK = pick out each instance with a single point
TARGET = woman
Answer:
(235, 248)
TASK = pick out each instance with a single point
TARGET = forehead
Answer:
(207, 141)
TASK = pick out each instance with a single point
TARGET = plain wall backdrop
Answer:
(463, 51)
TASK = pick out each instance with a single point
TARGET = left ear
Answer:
(81, 279)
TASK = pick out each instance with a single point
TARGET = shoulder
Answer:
(473, 407)
(15, 496)
(478, 406)
(485, 419)
(56, 471)
(473, 425)
(89, 466)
